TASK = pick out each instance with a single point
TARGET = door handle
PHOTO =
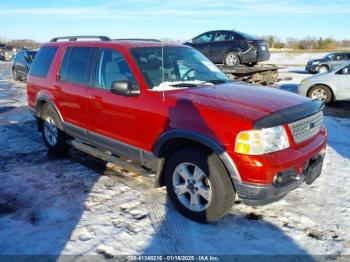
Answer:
(95, 97)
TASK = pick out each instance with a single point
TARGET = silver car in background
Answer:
(328, 87)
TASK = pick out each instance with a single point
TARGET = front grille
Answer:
(307, 127)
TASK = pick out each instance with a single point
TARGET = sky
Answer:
(41, 20)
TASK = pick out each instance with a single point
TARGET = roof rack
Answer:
(75, 38)
(138, 39)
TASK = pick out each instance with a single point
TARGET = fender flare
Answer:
(204, 140)
(38, 104)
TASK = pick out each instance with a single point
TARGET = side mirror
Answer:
(124, 88)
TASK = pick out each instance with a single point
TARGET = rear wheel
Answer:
(51, 129)
(322, 93)
(199, 185)
(231, 59)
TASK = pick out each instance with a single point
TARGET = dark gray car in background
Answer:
(231, 47)
(327, 63)
(21, 64)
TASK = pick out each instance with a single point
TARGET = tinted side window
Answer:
(79, 65)
(64, 65)
(223, 36)
(111, 66)
(42, 62)
(203, 38)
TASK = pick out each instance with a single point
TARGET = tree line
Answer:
(307, 43)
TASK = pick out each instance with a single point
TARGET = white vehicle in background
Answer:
(328, 87)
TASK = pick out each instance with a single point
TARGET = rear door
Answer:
(71, 87)
(117, 122)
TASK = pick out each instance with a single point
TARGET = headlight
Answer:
(316, 62)
(258, 142)
(304, 82)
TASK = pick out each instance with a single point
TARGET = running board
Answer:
(119, 161)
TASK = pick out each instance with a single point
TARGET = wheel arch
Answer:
(40, 101)
(171, 141)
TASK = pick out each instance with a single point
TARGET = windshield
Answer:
(182, 67)
(328, 57)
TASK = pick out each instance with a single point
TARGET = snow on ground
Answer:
(78, 205)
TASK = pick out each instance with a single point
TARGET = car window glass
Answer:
(111, 66)
(42, 62)
(203, 38)
(338, 57)
(64, 65)
(223, 36)
(79, 65)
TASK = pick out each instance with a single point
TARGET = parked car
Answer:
(231, 48)
(167, 108)
(6, 53)
(326, 63)
(21, 64)
(328, 87)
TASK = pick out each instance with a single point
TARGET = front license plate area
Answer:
(314, 171)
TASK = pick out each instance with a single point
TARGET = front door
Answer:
(343, 83)
(117, 122)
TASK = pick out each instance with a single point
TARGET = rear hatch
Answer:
(263, 52)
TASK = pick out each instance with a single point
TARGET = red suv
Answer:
(165, 109)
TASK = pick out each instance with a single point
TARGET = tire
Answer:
(15, 75)
(321, 92)
(215, 184)
(231, 59)
(323, 69)
(51, 129)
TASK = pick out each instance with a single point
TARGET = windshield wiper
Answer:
(184, 85)
(217, 81)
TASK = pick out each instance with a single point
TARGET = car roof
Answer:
(118, 43)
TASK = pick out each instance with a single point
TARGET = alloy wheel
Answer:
(50, 131)
(192, 187)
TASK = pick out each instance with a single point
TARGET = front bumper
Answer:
(311, 68)
(255, 195)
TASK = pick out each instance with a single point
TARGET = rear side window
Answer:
(42, 62)
(75, 66)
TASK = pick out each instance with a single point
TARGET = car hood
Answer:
(241, 100)
(317, 60)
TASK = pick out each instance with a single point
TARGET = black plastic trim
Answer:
(202, 139)
(183, 133)
(290, 114)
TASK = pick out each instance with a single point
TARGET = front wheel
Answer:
(199, 185)
(322, 93)
(323, 69)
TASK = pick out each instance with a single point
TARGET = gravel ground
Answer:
(78, 205)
